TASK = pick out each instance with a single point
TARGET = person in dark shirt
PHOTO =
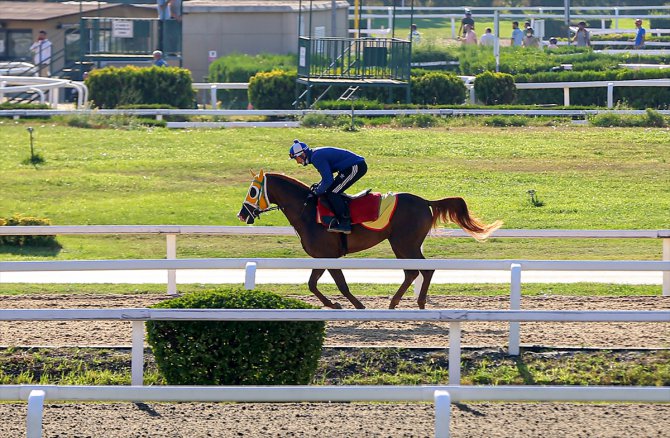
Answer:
(349, 167)
(466, 20)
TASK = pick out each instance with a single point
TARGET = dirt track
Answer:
(422, 334)
(495, 420)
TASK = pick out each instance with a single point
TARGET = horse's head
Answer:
(256, 201)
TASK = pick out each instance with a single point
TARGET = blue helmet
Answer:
(298, 148)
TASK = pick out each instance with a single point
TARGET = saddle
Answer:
(370, 209)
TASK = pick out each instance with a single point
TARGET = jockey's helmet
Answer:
(298, 149)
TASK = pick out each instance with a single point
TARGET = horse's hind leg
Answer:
(427, 276)
(410, 276)
(313, 279)
(342, 285)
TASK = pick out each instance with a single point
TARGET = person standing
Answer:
(467, 20)
(414, 34)
(349, 167)
(469, 37)
(158, 59)
(517, 35)
(529, 40)
(41, 50)
(487, 39)
(582, 36)
(640, 36)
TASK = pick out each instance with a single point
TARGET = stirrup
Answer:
(336, 227)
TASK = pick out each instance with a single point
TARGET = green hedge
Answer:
(438, 88)
(495, 88)
(272, 90)
(26, 106)
(635, 97)
(112, 87)
(238, 67)
(34, 241)
(236, 352)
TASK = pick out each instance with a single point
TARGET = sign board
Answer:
(302, 57)
(122, 29)
(211, 56)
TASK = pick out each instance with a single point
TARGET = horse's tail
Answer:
(456, 211)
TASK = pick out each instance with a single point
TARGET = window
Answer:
(18, 44)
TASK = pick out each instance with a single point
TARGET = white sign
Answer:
(122, 29)
(211, 56)
(303, 57)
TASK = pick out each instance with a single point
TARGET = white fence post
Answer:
(250, 276)
(453, 28)
(566, 96)
(455, 353)
(212, 96)
(442, 414)
(35, 413)
(666, 274)
(137, 354)
(515, 304)
(171, 245)
(418, 282)
(610, 95)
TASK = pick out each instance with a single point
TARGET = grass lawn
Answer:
(587, 178)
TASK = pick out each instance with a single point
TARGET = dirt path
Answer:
(408, 334)
(192, 420)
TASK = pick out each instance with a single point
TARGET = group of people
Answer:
(527, 38)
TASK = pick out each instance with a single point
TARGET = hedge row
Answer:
(112, 87)
(238, 67)
(20, 241)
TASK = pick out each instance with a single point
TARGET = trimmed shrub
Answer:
(438, 88)
(272, 90)
(495, 88)
(112, 87)
(238, 67)
(651, 119)
(27, 106)
(20, 241)
(236, 352)
(634, 97)
(417, 121)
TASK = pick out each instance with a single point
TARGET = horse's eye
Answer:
(253, 192)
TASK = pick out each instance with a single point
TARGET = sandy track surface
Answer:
(191, 420)
(408, 334)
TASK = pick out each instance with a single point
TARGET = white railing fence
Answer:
(442, 395)
(172, 231)
(42, 86)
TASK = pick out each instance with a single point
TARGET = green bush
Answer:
(318, 121)
(501, 121)
(438, 88)
(112, 87)
(26, 106)
(417, 121)
(236, 352)
(651, 119)
(238, 67)
(495, 88)
(272, 90)
(634, 97)
(33, 241)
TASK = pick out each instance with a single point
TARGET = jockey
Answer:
(328, 160)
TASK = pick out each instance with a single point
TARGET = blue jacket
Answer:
(329, 160)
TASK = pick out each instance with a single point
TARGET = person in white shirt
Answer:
(41, 50)
(487, 39)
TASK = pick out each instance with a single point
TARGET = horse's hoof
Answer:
(422, 306)
(393, 304)
(335, 306)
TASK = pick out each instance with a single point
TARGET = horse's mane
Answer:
(289, 179)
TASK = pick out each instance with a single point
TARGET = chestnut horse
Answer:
(409, 226)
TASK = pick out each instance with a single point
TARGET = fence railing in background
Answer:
(48, 89)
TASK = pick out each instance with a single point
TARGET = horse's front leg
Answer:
(410, 276)
(342, 285)
(313, 279)
(423, 293)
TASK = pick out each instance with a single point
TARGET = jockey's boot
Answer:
(341, 211)
(340, 225)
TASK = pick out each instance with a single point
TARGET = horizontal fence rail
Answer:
(441, 395)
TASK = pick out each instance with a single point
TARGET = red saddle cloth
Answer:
(363, 209)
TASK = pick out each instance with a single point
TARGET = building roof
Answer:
(257, 5)
(39, 11)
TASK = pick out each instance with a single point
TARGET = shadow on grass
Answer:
(525, 374)
(31, 251)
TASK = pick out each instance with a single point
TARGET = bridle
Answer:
(256, 212)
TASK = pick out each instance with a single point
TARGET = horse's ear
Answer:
(261, 174)
(252, 172)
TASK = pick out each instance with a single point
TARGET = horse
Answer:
(413, 219)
